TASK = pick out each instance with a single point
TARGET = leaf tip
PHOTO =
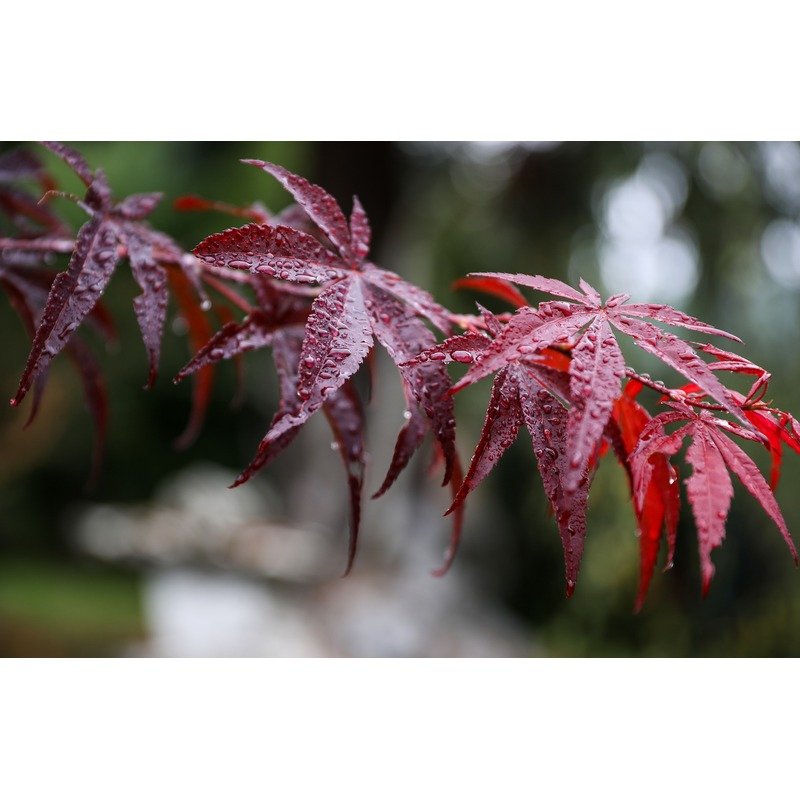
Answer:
(440, 572)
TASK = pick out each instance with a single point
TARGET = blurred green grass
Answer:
(64, 608)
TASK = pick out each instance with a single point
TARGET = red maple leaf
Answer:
(566, 355)
(778, 427)
(523, 394)
(597, 366)
(114, 230)
(27, 280)
(279, 323)
(711, 455)
(658, 509)
(357, 303)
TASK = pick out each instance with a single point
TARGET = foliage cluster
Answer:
(301, 283)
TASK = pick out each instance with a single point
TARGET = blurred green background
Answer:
(711, 228)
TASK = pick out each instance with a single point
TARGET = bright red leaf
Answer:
(708, 487)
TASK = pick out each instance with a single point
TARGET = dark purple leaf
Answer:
(73, 159)
(346, 418)
(420, 300)
(151, 305)
(74, 294)
(139, 206)
(360, 231)
(278, 252)
(318, 204)
(234, 338)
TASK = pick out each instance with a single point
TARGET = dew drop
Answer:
(462, 356)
